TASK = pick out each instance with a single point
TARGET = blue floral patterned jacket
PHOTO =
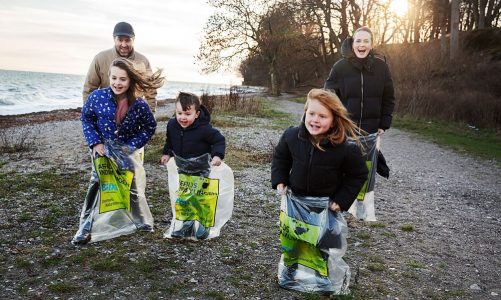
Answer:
(98, 121)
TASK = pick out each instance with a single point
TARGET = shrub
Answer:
(18, 140)
(232, 102)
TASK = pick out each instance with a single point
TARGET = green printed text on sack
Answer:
(197, 199)
(114, 186)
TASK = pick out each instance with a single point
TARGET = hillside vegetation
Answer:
(465, 90)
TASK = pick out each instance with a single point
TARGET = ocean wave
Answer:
(6, 102)
(26, 92)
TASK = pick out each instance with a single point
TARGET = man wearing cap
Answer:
(98, 77)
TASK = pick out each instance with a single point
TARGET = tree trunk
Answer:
(443, 30)
(417, 21)
(275, 82)
(481, 14)
(454, 29)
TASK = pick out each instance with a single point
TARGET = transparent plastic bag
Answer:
(363, 207)
(201, 197)
(312, 242)
(115, 203)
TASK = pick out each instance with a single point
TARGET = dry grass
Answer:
(232, 102)
(21, 140)
(464, 91)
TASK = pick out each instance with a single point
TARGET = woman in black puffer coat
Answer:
(363, 83)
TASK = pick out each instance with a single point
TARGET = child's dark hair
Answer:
(187, 100)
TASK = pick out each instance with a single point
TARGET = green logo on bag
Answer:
(363, 190)
(197, 199)
(298, 242)
(114, 188)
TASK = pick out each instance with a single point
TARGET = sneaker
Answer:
(186, 230)
(81, 240)
(288, 276)
(144, 228)
(202, 233)
(323, 283)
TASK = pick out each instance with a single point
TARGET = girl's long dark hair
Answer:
(141, 82)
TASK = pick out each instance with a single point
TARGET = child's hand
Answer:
(164, 159)
(99, 149)
(335, 207)
(281, 188)
(216, 161)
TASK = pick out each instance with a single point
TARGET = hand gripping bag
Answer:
(115, 203)
(312, 242)
(201, 197)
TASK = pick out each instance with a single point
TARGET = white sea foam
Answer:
(25, 92)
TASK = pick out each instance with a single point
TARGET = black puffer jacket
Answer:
(199, 138)
(365, 87)
(338, 172)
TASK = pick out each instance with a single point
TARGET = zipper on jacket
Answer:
(361, 101)
(308, 170)
(182, 143)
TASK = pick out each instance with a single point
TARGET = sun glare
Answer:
(399, 7)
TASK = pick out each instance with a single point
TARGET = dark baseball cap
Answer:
(123, 28)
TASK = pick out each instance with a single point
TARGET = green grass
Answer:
(377, 225)
(482, 143)
(279, 119)
(407, 227)
(153, 150)
(444, 295)
(61, 287)
(363, 235)
(298, 99)
(63, 184)
(416, 264)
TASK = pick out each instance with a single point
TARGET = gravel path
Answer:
(438, 234)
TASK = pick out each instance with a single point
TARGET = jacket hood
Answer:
(359, 63)
(346, 48)
(204, 117)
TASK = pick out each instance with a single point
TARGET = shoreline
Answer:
(58, 115)
(73, 114)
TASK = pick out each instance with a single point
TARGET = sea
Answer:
(24, 92)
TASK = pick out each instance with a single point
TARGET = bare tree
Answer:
(239, 28)
(230, 34)
(454, 29)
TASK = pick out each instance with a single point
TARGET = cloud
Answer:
(63, 36)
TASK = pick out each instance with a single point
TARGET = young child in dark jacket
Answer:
(316, 159)
(190, 134)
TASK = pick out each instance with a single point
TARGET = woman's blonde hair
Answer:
(342, 126)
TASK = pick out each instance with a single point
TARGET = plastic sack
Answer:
(201, 197)
(115, 203)
(312, 242)
(363, 207)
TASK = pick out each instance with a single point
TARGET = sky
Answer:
(63, 36)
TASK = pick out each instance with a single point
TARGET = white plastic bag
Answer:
(363, 207)
(115, 203)
(312, 242)
(204, 203)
